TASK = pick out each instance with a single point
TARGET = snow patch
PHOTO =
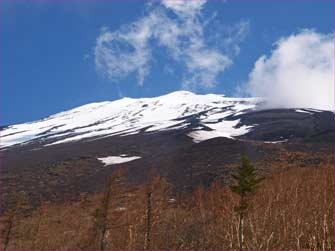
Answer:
(112, 160)
(227, 129)
(314, 110)
(276, 142)
(303, 111)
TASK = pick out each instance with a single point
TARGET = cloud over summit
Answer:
(298, 73)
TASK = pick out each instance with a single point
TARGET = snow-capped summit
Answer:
(214, 114)
(201, 117)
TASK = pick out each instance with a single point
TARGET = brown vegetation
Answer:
(293, 209)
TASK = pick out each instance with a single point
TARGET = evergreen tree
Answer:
(246, 183)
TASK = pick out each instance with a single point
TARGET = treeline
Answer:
(292, 209)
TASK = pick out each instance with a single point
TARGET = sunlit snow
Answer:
(227, 129)
(112, 160)
(303, 111)
(130, 116)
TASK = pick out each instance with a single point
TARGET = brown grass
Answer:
(293, 209)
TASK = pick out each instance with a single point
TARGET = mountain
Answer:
(207, 115)
(191, 139)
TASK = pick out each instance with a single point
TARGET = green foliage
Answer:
(247, 181)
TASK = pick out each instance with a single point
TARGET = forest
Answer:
(292, 209)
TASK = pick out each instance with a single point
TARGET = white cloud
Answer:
(298, 74)
(117, 54)
(234, 35)
(184, 7)
(130, 49)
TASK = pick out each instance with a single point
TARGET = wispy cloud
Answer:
(185, 8)
(298, 73)
(179, 27)
(117, 54)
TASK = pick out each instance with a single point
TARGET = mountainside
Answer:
(190, 139)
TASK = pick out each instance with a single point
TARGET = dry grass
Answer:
(293, 209)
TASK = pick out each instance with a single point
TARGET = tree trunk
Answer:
(148, 223)
(241, 235)
(8, 231)
(104, 214)
(37, 229)
(103, 237)
(241, 228)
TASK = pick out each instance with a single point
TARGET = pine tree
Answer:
(247, 181)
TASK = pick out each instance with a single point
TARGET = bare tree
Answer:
(100, 228)
(10, 218)
(9, 222)
(148, 221)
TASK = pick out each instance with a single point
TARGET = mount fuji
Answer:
(190, 139)
(205, 117)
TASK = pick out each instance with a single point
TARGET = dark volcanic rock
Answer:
(285, 124)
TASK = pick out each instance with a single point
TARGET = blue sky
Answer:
(50, 55)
